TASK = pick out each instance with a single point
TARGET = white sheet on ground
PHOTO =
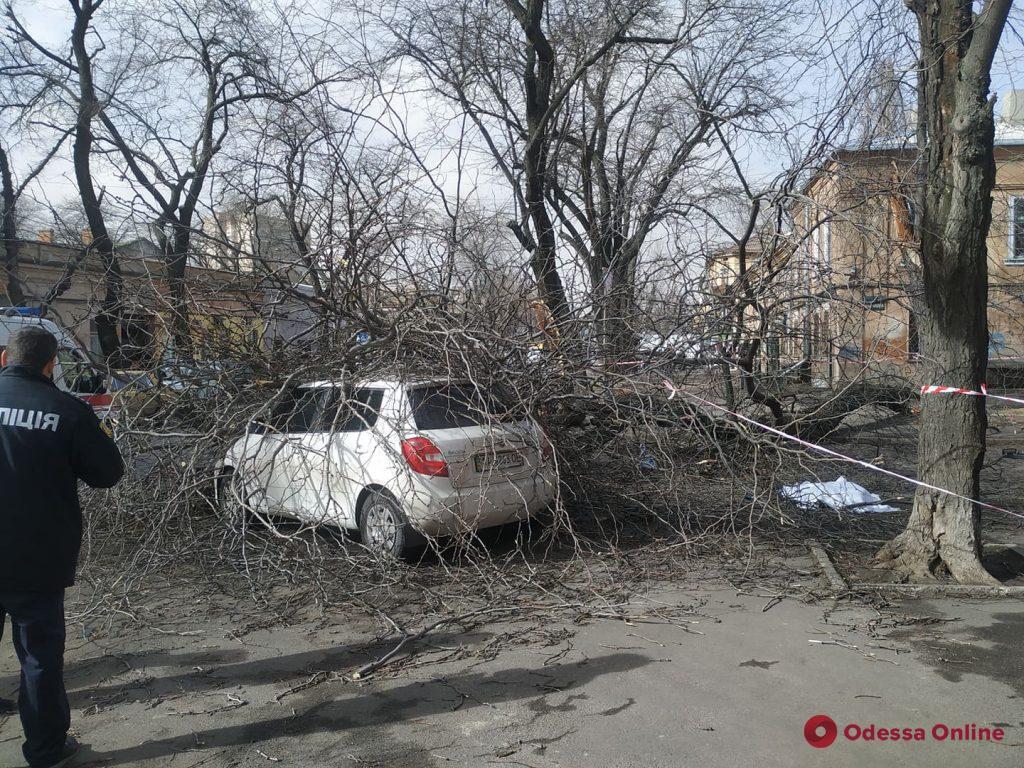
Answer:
(839, 494)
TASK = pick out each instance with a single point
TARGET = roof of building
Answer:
(1007, 136)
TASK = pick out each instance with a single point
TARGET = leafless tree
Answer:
(197, 64)
(17, 109)
(71, 72)
(500, 66)
(601, 135)
(955, 137)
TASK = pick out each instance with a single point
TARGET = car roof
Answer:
(20, 320)
(11, 323)
(376, 383)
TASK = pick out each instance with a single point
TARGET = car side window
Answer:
(310, 410)
(357, 410)
(277, 420)
(307, 415)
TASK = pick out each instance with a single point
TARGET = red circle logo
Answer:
(820, 731)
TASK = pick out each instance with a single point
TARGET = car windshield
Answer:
(443, 406)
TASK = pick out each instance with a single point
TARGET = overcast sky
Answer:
(50, 21)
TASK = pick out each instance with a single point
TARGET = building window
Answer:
(811, 236)
(825, 232)
(1016, 252)
(874, 303)
(94, 339)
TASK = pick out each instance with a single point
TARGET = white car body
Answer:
(72, 362)
(497, 472)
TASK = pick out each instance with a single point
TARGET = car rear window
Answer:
(444, 406)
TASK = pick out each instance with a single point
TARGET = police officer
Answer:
(49, 440)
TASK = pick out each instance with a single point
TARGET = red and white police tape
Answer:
(674, 390)
(935, 389)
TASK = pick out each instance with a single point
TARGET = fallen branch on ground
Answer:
(373, 666)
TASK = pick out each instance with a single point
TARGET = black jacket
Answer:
(49, 440)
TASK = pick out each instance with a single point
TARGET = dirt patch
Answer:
(853, 539)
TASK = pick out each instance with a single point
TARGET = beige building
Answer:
(851, 278)
(226, 306)
(839, 290)
(243, 240)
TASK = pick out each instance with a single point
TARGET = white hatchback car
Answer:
(397, 460)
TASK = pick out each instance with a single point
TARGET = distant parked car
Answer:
(200, 378)
(206, 380)
(137, 393)
(396, 460)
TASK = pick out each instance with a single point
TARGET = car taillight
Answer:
(424, 457)
(98, 401)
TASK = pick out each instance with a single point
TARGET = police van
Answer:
(74, 372)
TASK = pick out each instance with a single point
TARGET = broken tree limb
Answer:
(822, 420)
(373, 666)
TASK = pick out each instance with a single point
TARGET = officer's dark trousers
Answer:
(37, 627)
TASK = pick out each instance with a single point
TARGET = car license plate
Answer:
(489, 462)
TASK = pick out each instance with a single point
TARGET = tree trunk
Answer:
(543, 260)
(538, 76)
(88, 107)
(176, 262)
(9, 233)
(614, 296)
(956, 137)
(110, 305)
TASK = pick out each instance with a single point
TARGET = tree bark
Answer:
(958, 131)
(538, 76)
(88, 107)
(9, 233)
(175, 261)
(616, 308)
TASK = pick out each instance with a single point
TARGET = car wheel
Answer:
(385, 529)
(232, 499)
